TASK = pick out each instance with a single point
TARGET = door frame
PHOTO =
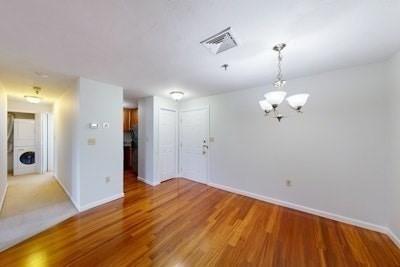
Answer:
(207, 108)
(176, 142)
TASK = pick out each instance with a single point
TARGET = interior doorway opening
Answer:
(130, 135)
(30, 143)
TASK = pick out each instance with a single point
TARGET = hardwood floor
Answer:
(183, 223)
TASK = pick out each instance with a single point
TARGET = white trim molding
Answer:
(101, 202)
(76, 205)
(393, 237)
(92, 204)
(147, 181)
(325, 214)
(3, 197)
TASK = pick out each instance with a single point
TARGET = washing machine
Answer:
(25, 152)
(25, 160)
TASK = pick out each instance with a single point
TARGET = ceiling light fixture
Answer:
(42, 75)
(176, 95)
(275, 98)
(34, 98)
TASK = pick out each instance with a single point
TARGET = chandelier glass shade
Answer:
(297, 101)
(274, 98)
(265, 105)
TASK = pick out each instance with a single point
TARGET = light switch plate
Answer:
(93, 125)
(91, 141)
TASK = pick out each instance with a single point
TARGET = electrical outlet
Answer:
(107, 179)
(288, 183)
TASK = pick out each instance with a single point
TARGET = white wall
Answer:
(146, 139)
(20, 105)
(130, 103)
(394, 215)
(100, 102)
(335, 154)
(3, 144)
(91, 174)
(66, 165)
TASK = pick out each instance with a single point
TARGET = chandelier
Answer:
(274, 98)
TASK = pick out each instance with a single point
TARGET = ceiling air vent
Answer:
(220, 42)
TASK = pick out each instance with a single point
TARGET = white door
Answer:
(194, 144)
(167, 144)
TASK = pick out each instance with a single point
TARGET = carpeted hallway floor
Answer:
(33, 203)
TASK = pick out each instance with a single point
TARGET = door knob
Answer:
(204, 149)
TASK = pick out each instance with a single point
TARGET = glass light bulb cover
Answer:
(176, 95)
(297, 101)
(33, 99)
(275, 98)
(265, 105)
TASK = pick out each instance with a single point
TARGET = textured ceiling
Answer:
(152, 47)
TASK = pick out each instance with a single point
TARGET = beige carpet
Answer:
(33, 203)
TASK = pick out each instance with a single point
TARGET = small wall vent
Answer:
(220, 42)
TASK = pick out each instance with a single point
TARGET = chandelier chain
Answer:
(279, 75)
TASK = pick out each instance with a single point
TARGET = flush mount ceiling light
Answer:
(42, 75)
(34, 98)
(275, 98)
(176, 95)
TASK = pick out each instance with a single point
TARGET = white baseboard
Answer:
(3, 196)
(101, 202)
(332, 216)
(76, 205)
(197, 181)
(147, 181)
(394, 237)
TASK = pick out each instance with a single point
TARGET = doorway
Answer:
(130, 128)
(194, 137)
(30, 141)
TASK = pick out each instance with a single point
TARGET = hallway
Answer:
(33, 203)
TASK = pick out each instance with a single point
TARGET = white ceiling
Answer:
(151, 47)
